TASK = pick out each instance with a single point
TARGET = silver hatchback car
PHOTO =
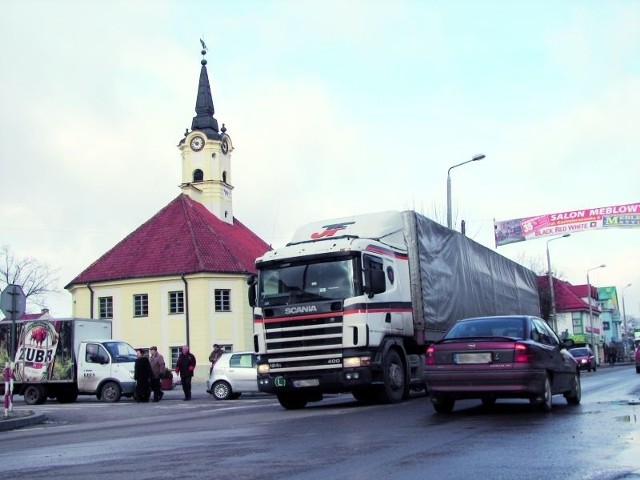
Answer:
(233, 374)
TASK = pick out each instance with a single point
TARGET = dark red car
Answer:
(584, 357)
(487, 358)
(638, 359)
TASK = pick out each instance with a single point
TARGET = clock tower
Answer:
(206, 155)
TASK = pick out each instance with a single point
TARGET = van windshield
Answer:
(120, 351)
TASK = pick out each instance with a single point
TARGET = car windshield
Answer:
(295, 283)
(579, 352)
(488, 327)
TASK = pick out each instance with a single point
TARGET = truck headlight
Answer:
(263, 368)
(352, 362)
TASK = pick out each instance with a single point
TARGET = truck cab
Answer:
(105, 368)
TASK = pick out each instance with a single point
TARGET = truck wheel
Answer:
(393, 374)
(292, 402)
(34, 395)
(111, 392)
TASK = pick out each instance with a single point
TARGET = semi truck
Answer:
(64, 358)
(350, 304)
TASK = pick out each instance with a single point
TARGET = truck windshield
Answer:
(121, 351)
(294, 283)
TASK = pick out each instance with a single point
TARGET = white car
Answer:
(233, 374)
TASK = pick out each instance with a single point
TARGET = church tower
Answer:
(206, 155)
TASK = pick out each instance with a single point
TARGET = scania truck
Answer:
(65, 358)
(350, 304)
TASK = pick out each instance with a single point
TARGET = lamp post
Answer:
(596, 354)
(475, 158)
(554, 323)
(624, 325)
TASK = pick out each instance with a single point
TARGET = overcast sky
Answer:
(334, 108)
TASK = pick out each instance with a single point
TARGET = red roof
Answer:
(184, 237)
(568, 297)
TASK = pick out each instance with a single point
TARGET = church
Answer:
(180, 278)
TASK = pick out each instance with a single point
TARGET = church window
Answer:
(141, 305)
(106, 307)
(222, 300)
(224, 177)
(176, 302)
(198, 176)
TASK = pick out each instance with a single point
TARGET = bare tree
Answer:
(37, 279)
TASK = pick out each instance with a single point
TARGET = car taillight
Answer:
(430, 359)
(522, 354)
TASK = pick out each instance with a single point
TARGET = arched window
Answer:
(197, 175)
(224, 177)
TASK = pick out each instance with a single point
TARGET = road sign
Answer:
(13, 302)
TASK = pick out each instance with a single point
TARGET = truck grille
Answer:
(304, 344)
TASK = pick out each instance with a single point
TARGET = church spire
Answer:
(204, 119)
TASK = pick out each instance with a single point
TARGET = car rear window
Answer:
(579, 352)
(488, 327)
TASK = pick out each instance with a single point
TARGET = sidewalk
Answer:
(20, 418)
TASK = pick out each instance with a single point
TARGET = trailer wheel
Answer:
(292, 402)
(111, 392)
(393, 373)
(34, 395)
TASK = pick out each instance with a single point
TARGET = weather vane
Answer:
(204, 51)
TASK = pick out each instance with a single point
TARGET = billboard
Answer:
(530, 228)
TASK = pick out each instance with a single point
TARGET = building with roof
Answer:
(574, 318)
(180, 277)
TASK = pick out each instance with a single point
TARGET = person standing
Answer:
(215, 355)
(157, 368)
(185, 366)
(142, 375)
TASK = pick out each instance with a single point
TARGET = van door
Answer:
(94, 365)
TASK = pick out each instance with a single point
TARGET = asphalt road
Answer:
(254, 438)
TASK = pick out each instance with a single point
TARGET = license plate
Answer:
(472, 358)
(311, 382)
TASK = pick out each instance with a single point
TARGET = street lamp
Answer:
(624, 323)
(474, 159)
(596, 354)
(554, 323)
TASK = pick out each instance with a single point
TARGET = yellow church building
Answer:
(180, 278)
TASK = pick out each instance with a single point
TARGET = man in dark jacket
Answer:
(142, 375)
(185, 366)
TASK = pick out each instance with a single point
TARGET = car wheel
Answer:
(221, 390)
(574, 395)
(637, 369)
(34, 395)
(594, 368)
(589, 369)
(546, 402)
(393, 390)
(442, 404)
(110, 392)
(292, 402)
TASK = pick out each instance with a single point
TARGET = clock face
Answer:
(224, 146)
(197, 144)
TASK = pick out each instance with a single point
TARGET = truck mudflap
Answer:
(343, 381)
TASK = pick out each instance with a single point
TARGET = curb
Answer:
(21, 419)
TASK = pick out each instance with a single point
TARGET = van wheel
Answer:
(34, 395)
(111, 392)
